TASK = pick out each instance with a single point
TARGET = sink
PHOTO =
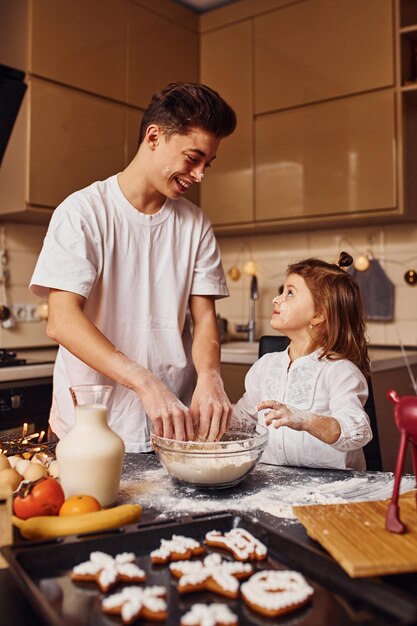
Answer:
(239, 352)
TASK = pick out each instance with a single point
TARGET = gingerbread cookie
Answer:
(178, 548)
(133, 603)
(107, 571)
(212, 574)
(209, 615)
(240, 542)
(272, 593)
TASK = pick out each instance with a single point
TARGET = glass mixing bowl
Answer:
(214, 465)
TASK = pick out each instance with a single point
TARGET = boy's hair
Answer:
(337, 298)
(179, 107)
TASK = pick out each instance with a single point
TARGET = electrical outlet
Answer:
(32, 314)
(19, 312)
(26, 312)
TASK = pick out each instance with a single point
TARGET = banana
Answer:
(51, 526)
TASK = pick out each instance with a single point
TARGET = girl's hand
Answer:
(284, 415)
(323, 427)
(210, 407)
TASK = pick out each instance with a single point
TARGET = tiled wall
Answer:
(395, 246)
(23, 244)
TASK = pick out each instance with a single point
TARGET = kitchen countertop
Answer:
(269, 492)
(238, 352)
(382, 357)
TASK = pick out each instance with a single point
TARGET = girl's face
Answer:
(294, 308)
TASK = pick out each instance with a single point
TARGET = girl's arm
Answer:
(347, 425)
(326, 429)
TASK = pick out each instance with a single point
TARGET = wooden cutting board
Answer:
(355, 535)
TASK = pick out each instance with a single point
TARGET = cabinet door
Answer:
(133, 119)
(327, 159)
(159, 52)
(81, 44)
(226, 66)
(319, 49)
(75, 139)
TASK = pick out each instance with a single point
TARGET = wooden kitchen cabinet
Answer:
(226, 66)
(63, 140)
(320, 49)
(77, 43)
(334, 158)
(159, 51)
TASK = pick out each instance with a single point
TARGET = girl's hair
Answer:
(179, 107)
(337, 298)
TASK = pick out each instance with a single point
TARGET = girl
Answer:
(312, 394)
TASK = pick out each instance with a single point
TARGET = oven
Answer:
(25, 393)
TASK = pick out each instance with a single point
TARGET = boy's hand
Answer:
(210, 407)
(284, 415)
(169, 416)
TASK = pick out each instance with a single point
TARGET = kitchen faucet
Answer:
(251, 325)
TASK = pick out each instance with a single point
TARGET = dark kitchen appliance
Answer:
(25, 401)
(25, 392)
(12, 90)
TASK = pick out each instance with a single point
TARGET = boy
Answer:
(125, 263)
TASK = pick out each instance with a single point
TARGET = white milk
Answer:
(91, 456)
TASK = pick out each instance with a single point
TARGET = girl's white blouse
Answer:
(319, 386)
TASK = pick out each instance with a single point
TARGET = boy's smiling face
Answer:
(179, 161)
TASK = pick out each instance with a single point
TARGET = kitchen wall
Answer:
(23, 243)
(394, 246)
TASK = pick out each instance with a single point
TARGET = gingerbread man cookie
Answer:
(178, 548)
(133, 603)
(209, 615)
(107, 571)
(212, 574)
(240, 542)
(272, 593)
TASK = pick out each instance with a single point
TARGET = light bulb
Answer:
(234, 273)
(250, 268)
(361, 263)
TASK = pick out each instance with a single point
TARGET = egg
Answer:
(10, 477)
(13, 460)
(54, 469)
(34, 471)
(4, 462)
(22, 465)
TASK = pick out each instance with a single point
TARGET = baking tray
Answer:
(42, 571)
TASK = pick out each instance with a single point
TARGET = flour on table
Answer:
(280, 489)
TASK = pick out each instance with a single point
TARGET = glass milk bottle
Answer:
(90, 456)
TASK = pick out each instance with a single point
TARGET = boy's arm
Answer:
(70, 327)
(210, 404)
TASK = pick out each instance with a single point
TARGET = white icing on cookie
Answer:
(131, 600)
(221, 572)
(274, 590)
(108, 569)
(209, 615)
(240, 542)
(178, 545)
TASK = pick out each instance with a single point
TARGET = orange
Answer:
(75, 505)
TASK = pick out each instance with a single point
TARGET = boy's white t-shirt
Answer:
(137, 273)
(320, 386)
